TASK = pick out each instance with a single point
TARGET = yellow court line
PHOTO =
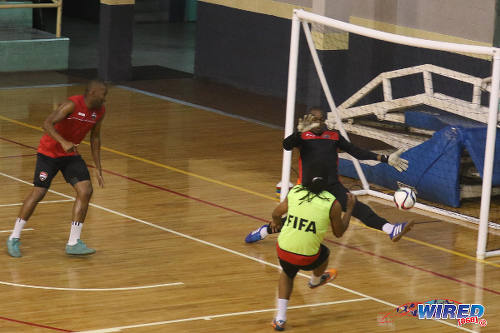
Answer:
(21, 123)
(164, 166)
(211, 180)
(248, 191)
(437, 247)
(463, 255)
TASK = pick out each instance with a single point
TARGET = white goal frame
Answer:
(305, 17)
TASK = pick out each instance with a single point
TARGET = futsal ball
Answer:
(405, 198)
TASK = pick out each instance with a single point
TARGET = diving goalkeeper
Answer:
(316, 142)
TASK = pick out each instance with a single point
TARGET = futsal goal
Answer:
(438, 100)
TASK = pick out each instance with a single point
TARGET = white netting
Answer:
(405, 101)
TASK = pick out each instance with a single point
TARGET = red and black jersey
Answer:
(325, 148)
(73, 128)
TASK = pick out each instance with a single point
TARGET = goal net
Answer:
(437, 100)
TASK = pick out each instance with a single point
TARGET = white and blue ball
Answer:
(405, 198)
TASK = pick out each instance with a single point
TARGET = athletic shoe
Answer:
(327, 276)
(255, 236)
(79, 249)
(400, 229)
(279, 325)
(13, 247)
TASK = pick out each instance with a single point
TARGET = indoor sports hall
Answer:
(192, 154)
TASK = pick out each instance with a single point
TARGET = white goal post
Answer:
(304, 17)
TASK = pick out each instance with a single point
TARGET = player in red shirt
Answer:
(317, 143)
(64, 129)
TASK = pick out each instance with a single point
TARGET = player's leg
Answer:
(45, 171)
(84, 192)
(76, 173)
(31, 201)
(360, 211)
(366, 215)
(285, 288)
(258, 234)
(320, 275)
(261, 232)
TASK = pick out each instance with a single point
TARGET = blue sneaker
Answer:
(279, 325)
(255, 235)
(13, 247)
(400, 229)
(79, 249)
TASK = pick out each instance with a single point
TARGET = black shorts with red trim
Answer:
(292, 262)
(73, 169)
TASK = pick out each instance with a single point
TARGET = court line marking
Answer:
(91, 289)
(326, 239)
(55, 85)
(224, 248)
(238, 188)
(34, 324)
(437, 247)
(70, 198)
(451, 278)
(14, 156)
(25, 229)
(158, 96)
(187, 173)
(147, 161)
(170, 99)
(41, 202)
(210, 317)
(198, 106)
(267, 221)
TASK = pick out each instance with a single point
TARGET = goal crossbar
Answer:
(305, 17)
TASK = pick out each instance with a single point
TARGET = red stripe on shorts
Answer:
(294, 258)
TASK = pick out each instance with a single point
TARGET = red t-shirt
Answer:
(73, 128)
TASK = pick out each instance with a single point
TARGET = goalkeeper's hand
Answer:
(397, 162)
(307, 123)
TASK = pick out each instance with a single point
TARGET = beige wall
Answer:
(277, 8)
(302, 3)
(464, 19)
(460, 21)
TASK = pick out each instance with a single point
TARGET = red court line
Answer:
(331, 241)
(17, 143)
(414, 267)
(266, 221)
(184, 195)
(35, 325)
(12, 156)
(159, 187)
(433, 221)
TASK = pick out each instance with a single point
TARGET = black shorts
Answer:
(73, 169)
(291, 269)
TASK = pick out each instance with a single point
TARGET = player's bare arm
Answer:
(56, 116)
(338, 222)
(95, 146)
(279, 211)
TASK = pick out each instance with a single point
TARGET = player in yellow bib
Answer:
(310, 211)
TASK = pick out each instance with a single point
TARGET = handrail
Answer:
(55, 4)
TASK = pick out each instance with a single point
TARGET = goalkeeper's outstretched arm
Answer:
(393, 160)
(355, 151)
(292, 141)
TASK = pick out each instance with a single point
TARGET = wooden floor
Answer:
(183, 188)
